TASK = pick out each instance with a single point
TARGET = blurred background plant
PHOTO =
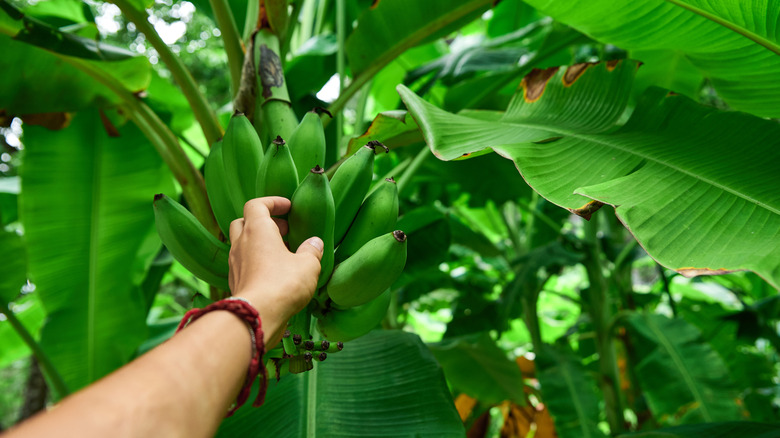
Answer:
(544, 324)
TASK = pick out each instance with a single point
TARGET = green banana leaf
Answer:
(389, 28)
(13, 275)
(725, 51)
(682, 378)
(43, 49)
(9, 193)
(386, 383)
(29, 312)
(568, 392)
(727, 429)
(24, 27)
(696, 186)
(13, 270)
(755, 20)
(475, 365)
(392, 128)
(33, 89)
(86, 207)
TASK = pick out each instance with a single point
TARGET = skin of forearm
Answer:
(180, 389)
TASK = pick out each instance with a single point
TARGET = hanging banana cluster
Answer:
(363, 256)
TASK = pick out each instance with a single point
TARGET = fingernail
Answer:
(317, 243)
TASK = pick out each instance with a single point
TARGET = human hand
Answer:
(277, 282)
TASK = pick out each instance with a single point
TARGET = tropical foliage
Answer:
(589, 188)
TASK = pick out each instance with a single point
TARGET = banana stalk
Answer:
(273, 111)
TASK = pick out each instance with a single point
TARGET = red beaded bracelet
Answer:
(243, 309)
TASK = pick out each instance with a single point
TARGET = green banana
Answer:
(190, 243)
(350, 184)
(307, 144)
(372, 269)
(216, 190)
(376, 216)
(353, 323)
(312, 213)
(278, 119)
(242, 154)
(277, 175)
(335, 347)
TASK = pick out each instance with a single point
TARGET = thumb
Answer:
(312, 245)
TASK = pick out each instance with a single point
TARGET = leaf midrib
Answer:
(575, 399)
(680, 365)
(616, 146)
(94, 248)
(756, 38)
(603, 140)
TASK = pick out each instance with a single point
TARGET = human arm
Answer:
(184, 386)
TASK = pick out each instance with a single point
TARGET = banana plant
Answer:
(673, 162)
(692, 183)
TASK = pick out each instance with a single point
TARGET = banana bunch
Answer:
(363, 253)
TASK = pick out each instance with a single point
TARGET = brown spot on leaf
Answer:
(693, 272)
(374, 4)
(574, 72)
(533, 83)
(271, 74)
(611, 65)
(587, 210)
(52, 121)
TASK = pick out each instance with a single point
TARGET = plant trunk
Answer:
(600, 312)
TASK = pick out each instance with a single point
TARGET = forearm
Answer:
(182, 388)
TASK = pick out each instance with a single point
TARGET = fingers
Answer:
(282, 224)
(313, 246)
(236, 227)
(266, 206)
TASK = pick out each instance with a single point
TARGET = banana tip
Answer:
(317, 169)
(373, 144)
(158, 196)
(399, 235)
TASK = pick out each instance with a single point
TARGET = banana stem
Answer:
(250, 23)
(341, 21)
(418, 160)
(163, 140)
(232, 40)
(53, 377)
(292, 24)
(322, 7)
(360, 110)
(206, 117)
(599, 309)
